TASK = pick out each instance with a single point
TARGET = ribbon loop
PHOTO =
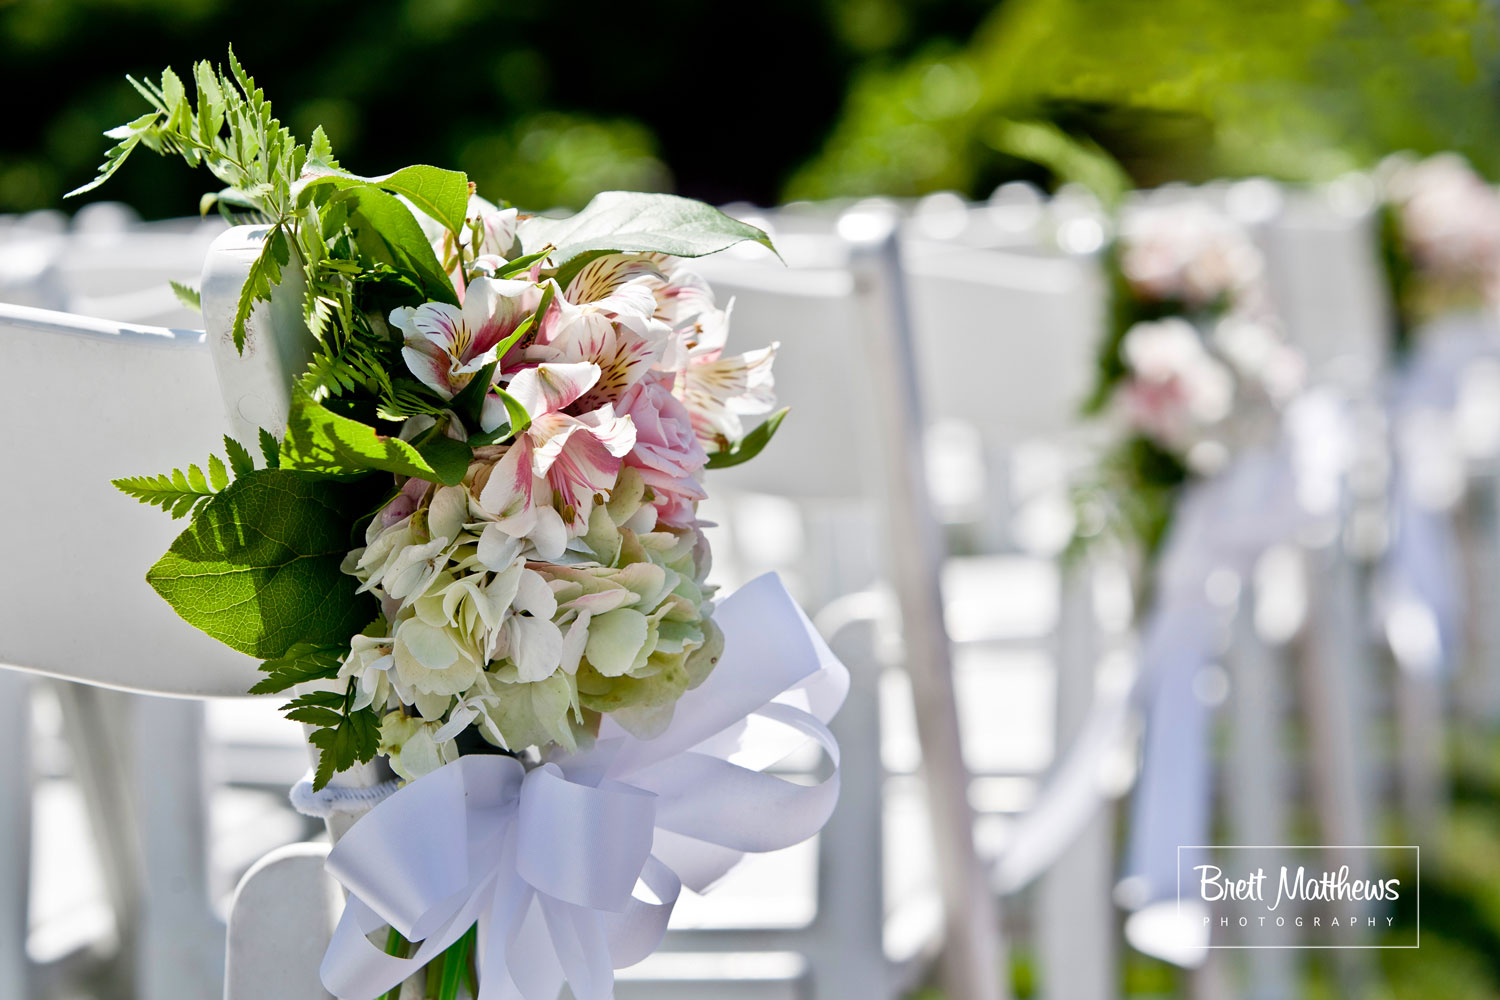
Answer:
(603, 836)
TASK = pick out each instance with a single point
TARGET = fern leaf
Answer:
(172, 493)
(130, 136)
(265, 273)
(187, 295)
(218, 476)
(270, 448)
(240, 462)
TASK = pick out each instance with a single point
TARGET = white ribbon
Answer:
(571, 869)
(1420, 588)
(1223, 523)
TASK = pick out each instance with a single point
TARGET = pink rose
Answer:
(667, 451)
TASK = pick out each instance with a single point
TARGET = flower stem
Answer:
(434, 976)
(455, 964)
(396, 945)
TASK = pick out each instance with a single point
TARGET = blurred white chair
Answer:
(1003, 347)
(1324, 274)
(837, 314)
(1006, 339)
(105, 263)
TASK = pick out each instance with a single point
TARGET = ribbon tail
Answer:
(516, 959)
(697, 864)
(717, 801)
(582, 948)
(1170, 807)
(353, 968)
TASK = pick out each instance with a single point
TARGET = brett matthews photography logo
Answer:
(1254, 896)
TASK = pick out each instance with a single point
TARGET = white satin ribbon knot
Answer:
(571, 869)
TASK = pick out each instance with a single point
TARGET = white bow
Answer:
(571, 869)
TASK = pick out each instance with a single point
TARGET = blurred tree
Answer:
(1175, 89)
(543, 104)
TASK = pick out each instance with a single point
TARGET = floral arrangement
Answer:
(1440, 240)
(1191, 371)
(475, 550)
(508, 416)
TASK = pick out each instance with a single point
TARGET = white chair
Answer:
(838, 313)
(1003, 341)
(98, 400)
(105, 263)
(1006, 339)
(1325, 276)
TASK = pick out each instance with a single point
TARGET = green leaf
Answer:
(356, 738)
(315, 716)
(387, 233)
(524, 262)
(325, 699)
(321, 441)
(629, 221)
(240, 462)
(270, 448)
(515, 413)
(303, 662)
(469, 402)
(320, 150)
(172, 492)
(751, 444)
(258, 569)
(129, 137)
(441, 194)
(264, 274)
(448, 457)
(218, 477)
(187, 295)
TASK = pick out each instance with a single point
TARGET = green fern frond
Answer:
(176, 492)
(187, 295)
(180, 493)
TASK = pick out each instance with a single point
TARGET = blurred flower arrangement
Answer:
(1192, 370)
(492, 463)
(1440, 239)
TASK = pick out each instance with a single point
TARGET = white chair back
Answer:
(1006, 338)
(89, 401)
(1325, 278)
(827, 448)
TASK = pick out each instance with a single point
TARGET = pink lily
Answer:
(717, 391)
(447, 346)
(575, 459)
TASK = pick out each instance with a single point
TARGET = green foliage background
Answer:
(546, 104)
(541, 103)
(1176, 90)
